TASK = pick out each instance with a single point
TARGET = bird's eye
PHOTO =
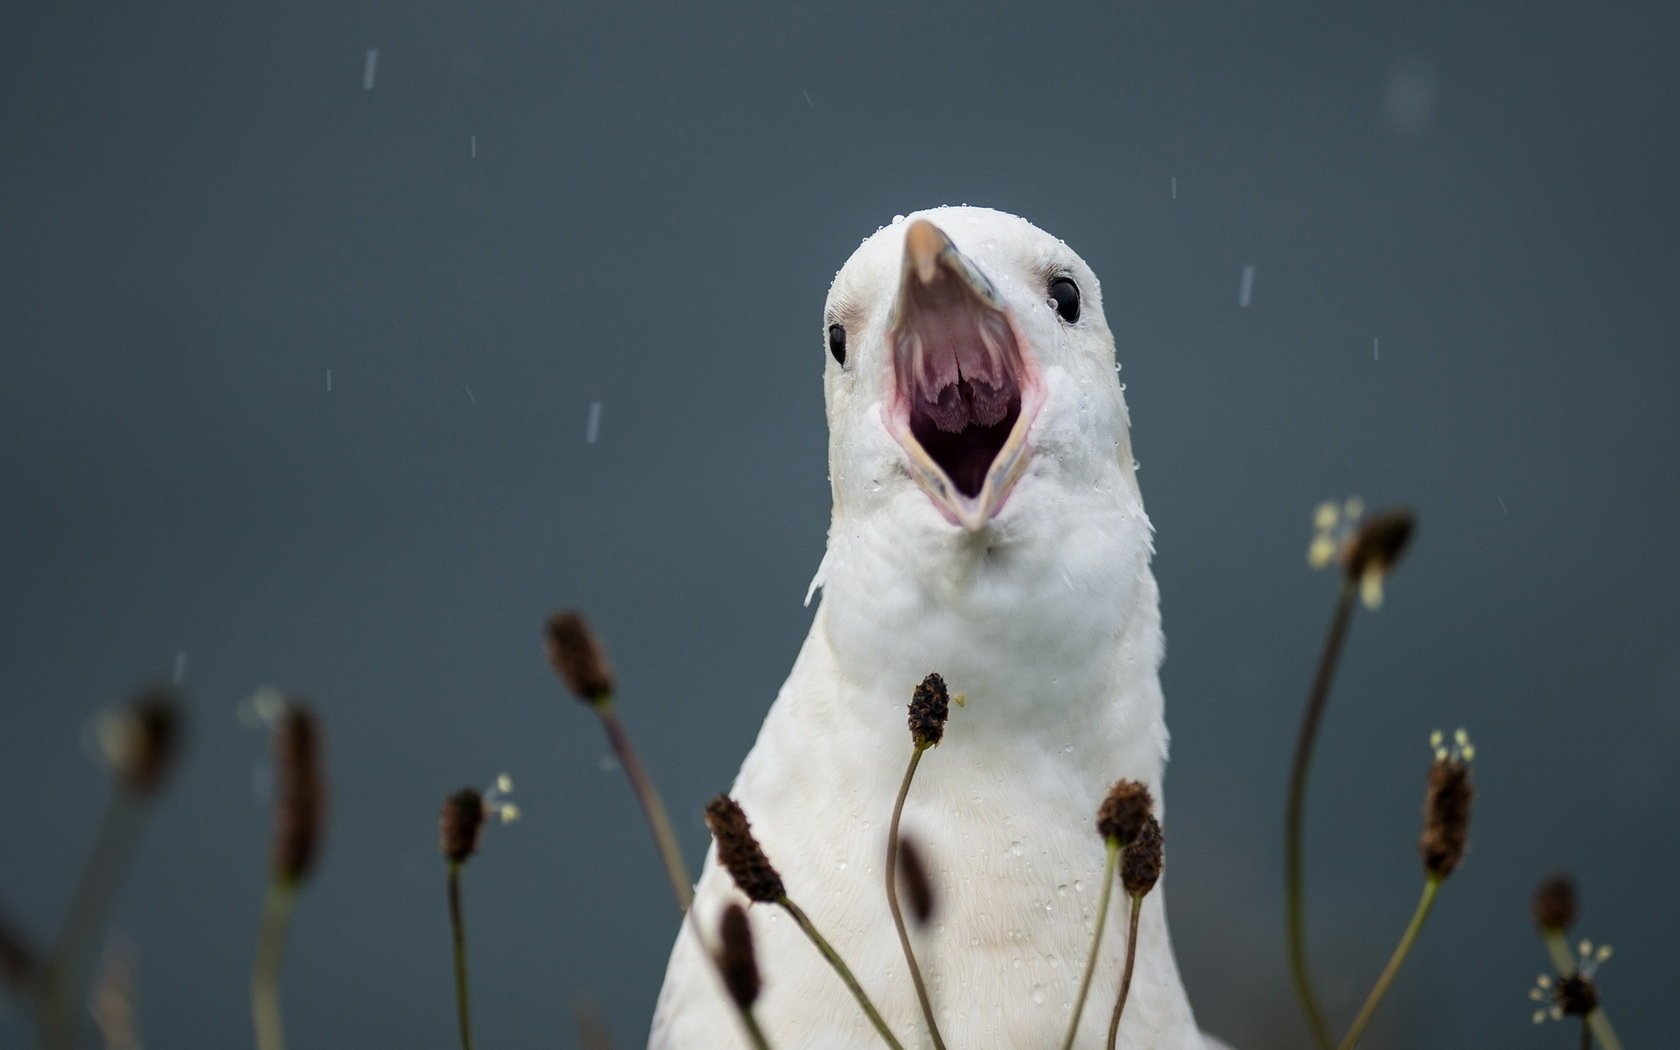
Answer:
(837, 343)
(1065, 294)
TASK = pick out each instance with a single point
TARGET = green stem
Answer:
(892, 899)
(1096, 941)
(658, 820)
(1563, 957)
(1599, 1022)
(1294, 872)
(754, 1032)
(265, 973)
(67, 970)
(1420, 914)
(1126, 978)
(458, 931)
(840, 967)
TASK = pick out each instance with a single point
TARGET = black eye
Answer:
(837, 343)
(1066, 295)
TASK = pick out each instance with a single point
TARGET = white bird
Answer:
(987, 525)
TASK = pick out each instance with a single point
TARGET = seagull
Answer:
(987, 525)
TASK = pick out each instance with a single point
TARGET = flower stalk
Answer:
(1140, 869)
(740, 854)
(1366, 555)
(929, 708)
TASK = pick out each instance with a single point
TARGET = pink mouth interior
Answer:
(959, 373)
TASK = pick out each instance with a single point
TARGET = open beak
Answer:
(965, 389)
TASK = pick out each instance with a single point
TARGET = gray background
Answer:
(204, 212)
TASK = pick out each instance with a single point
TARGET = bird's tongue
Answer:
(963, 393)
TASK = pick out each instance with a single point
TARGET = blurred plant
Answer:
(739, 965)
(299, 823)
(580, 661)
(1573, 992)
(141, 745)
(460, 826)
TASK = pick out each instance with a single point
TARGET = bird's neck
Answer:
(1050, 628)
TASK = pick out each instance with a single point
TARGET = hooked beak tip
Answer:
(924, 243)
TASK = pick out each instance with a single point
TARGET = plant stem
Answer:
(1599, 1022)
(892, 899)
(1294, 877)
(1563, 958)
(265, 973)
(840, 967)
(1126, 978)
(1096, 941)
(1557, 945)
(664, 837)
(754, 1032)
(1431, 887)
(658, 820)
(458, 931)
(89, 912)
(1586, 1035)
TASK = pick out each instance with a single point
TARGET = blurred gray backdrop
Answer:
(300, 347)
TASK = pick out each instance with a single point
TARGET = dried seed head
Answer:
(930, 705)
(1575, 995)
(740, 853)
(300, 795)
(142, 741)
(20, 960)
(736, 958)
(913, 876)
(1140, 865)
(460, 824)
(1124, 812)
(1554, 904)
(578, 657)
(1446, 806)
(1371, 553)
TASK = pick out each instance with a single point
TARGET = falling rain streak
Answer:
(1246, 292)
(370, 66)
(593, 429)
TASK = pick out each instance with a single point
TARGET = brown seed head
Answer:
(300, 794)
(912, 874)
(1575, 995)
(1124, 812)
(142, 742)
(460, 823)
(1446, 816)
(930, 705)
(1555, 906)
(736, 958)
(1140, 865)
(740, 853)
(20, 960)
(1378, 544)
(578, 657)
